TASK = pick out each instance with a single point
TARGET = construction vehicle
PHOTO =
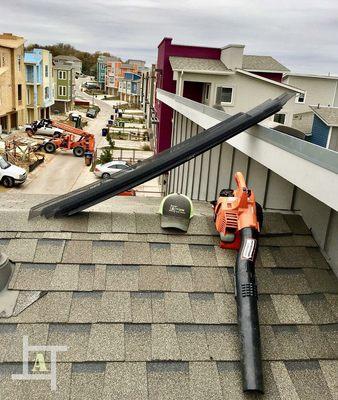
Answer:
(238, 220)
(67, 140)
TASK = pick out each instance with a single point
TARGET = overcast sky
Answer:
(301, 34)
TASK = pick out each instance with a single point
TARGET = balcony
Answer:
(286, 173)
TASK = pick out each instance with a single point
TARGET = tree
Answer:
(89, 60)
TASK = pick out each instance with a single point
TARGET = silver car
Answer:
(107, 170)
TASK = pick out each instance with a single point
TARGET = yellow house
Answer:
(12, 82)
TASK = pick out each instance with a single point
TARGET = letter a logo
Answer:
(39, 364)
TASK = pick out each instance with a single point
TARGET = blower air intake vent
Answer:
(249, 290)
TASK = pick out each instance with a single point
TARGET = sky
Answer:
(301, 34)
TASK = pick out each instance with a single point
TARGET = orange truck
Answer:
(71, 139)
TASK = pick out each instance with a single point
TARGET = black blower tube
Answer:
(247, 312)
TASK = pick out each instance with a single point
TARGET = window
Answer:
(224, 95)
(300, 98)
(62, 91)
(19, 62)
(46, 93)
(206, 91)
(19, 92)
(62, 75)
(46, 71)
(279, 118)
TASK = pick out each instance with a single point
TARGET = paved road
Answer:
(62, 172)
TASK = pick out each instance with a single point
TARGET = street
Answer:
(62, 172)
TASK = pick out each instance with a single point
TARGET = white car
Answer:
(11, 174)
(43, 127)
(107, 170)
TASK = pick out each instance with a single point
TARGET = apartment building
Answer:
(39, 82)
(64, 82)
(12, 82)
(223, 78)
(130, 88)
(319, 90)
(75, 62)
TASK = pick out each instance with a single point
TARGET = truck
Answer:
(11, 174)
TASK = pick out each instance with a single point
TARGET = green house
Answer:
(64, 82)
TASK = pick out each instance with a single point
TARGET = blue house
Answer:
(33, 65)
(325, 127)
(130, 87)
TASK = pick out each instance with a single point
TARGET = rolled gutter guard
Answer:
(87, 196)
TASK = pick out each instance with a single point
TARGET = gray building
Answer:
(76, 62)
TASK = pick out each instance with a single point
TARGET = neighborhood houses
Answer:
(168, 211)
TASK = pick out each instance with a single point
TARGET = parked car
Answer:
(11, 174)
(43, 127)
(107, 170)
(91, 113)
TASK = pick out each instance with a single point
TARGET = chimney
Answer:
(232, 55)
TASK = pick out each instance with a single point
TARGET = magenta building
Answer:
(264, 66)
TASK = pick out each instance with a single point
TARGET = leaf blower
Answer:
(238, 220)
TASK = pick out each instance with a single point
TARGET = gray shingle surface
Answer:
(262, 63)
(136, 253)
(87, 381)
(168, 381)
(154, 278)
(74, 336)
(164, 342)
(49, 251)
(106, 342)
(106, 252)
(149, 314)
(78, 252)
(21, 249)
(137, 339)
(122, 277)
(204, 381)
(65, 277)
(197, 64)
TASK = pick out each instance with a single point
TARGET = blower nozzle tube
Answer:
(247, 312)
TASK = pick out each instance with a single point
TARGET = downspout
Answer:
(180, 84)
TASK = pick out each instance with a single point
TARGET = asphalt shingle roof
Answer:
(262, 63)
(197, 64)
(150, 314)
(328, 114)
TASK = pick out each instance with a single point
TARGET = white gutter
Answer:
(291, 158)
(204, 72)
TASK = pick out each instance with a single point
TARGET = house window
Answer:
(206, 91)
(300, 98)
(46, 71)
(46, 93)
(62, 91)
(19, 62)
(224, 95)
(3, 60)
(62, 75)
(19, 93)
(279, 118)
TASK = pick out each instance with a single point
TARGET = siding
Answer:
(320, 132)
(203, 177)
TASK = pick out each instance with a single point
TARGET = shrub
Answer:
(146, 147)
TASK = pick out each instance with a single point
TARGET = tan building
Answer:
(12, 82)
(319, 90)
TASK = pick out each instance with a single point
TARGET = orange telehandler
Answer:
(67, 140)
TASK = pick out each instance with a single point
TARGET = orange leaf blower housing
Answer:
(235, 210)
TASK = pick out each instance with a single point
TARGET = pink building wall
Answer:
(165, 81)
